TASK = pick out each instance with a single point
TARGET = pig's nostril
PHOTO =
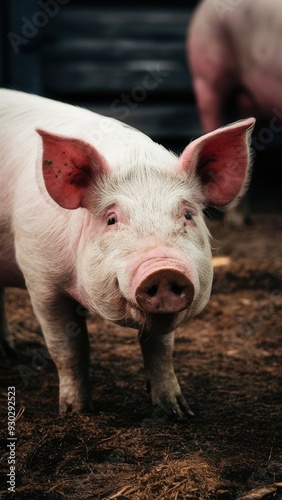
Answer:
(152, 291)
(176, 289)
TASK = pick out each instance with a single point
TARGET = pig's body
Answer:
(236, 45)
(94, 213)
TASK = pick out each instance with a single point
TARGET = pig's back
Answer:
(121, 144)
(256, 32)
(21, 114)
(256, 29)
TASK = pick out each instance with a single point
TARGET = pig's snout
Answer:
(164, 291)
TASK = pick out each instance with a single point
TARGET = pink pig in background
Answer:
(94, 213)
(236, 44)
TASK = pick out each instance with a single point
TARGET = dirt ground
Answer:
(229, 364)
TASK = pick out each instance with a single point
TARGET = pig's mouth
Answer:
(151, 323)
(161, 323)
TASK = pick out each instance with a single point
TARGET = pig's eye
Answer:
(188, 215)
(111, 220)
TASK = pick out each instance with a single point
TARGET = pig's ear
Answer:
(221, 161)
(69, 166)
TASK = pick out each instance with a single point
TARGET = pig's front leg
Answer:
(65, 333)
(166, 394)
(6, 343)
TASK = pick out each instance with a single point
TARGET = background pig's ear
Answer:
(69, 166)
(221, 160)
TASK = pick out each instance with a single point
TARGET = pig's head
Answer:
(144, 259)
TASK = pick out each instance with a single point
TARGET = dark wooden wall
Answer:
(123, 61)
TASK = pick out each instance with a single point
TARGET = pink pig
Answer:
(236, 44)
(95, 214)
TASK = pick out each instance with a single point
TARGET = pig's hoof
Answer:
(175, 410)
(67, 407)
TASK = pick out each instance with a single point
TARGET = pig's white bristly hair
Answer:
(150, 182)
(147, 165)
(140, 170)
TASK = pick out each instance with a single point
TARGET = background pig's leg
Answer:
(239, 215)
(66, 337)
(210, 104)
(6, 344)
(157, 353)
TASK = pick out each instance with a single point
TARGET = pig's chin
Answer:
(162, 323)
(152, 323)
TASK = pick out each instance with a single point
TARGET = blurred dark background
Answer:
(122, 61)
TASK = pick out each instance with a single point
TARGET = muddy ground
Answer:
(228, 361)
